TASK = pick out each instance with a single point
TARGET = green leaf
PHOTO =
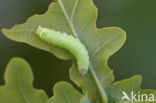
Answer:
(133, 84)
(78, 18)
(149, 91)
(100, 76)
(145, 91)
(65, 93)
(18, 87)
(115, 91)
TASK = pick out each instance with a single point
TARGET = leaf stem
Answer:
(101, 90)
(99, 86)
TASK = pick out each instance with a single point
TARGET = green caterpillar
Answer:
(67, 42)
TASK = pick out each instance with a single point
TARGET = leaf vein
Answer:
(103, 44)
(74, 9)
(68, 19)
(98, 83)
(21, 92)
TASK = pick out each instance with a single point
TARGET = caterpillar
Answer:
(67, 42)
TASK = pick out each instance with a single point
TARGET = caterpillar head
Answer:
(83, 70)
(39, 31)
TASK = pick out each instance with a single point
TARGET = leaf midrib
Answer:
(68, 19)
(98, 84)
(21, 91)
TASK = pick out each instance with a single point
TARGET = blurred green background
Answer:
(137, 56)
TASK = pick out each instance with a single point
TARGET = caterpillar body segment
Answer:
(68, 42)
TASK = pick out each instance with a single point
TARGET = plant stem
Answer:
(99, 85)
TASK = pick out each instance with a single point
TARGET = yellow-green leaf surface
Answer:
(127, 85)
(78, 18)
(145, 91)
(18, 85)
(149, 91)
(65, 93)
